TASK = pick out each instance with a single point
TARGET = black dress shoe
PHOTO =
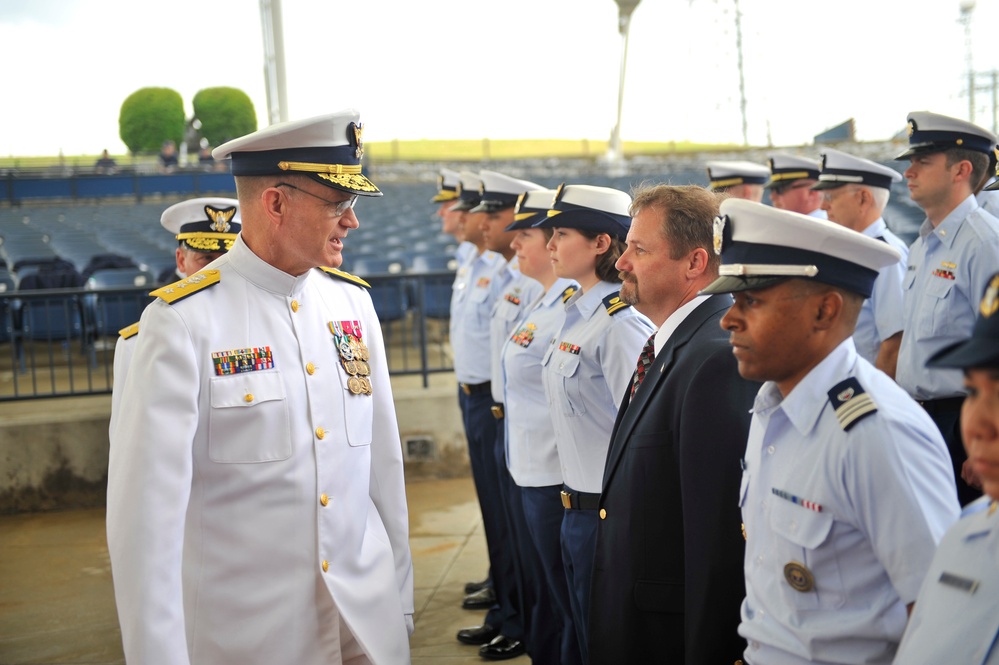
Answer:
(483, 634)
(472, 587)
(480, 600)
(502, 648)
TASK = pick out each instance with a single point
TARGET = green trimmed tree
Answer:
(224, 114)
(150, 116)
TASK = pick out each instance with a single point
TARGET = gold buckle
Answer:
(465, 387)
(497, 411)
(566, 500)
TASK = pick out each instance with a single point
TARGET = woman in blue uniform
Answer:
(588, 367)
(956, 616)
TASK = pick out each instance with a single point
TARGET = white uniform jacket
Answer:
(248, 510)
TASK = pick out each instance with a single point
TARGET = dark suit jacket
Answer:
(668, 574)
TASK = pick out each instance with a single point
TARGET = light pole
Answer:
(273, 32)
(615, 152)
(968, 6)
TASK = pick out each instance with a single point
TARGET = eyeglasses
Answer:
(830, 194)
(784, 190)
(340, 208)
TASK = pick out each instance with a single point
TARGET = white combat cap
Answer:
(500, 191)
(729, 174)
(761, 246)
(327, 148)
(204, 225)
(840, 168)
(590, 208)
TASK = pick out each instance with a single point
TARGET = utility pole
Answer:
(615, 152)
(273, 32)
(967, 7)
(742, 78)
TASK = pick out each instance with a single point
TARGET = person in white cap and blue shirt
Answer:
(256, 503)
(738, 179)
(791, 184)
(846, 485)
(588, 366)
(205, 229)
(510, 292)
(854, 193)
(955, 619)
(949, 264)
(447, 198)
(531, 455)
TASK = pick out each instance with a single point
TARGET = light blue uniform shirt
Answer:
(819, 213)
(471, 306)
(587, 369)
(881, 316)
(465, 251)
(948, 269)
(530, 437)
(989, 201)
(513, 292)
(858, 511)
(956, 618)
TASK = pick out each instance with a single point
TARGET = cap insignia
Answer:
(358, 131)
(520, 202)
(220, 218)
(990, 301)
(719, 238)
(912, 127)
(558, 194)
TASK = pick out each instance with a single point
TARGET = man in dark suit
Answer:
(668, 576)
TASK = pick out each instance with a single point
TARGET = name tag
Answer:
(958, 582)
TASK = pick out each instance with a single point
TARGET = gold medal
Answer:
(362, 352)
(365, 384)
(351, 367)
(362, 368)
(799, 577)
(355, 386)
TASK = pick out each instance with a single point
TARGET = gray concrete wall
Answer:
(54, 452)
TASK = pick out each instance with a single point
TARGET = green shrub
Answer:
(150, 116)
(224, 113)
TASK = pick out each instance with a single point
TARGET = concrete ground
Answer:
(57, 602)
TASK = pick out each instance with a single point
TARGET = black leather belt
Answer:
(944, 405)
(497, 410)
(573, 500)
(475, 388)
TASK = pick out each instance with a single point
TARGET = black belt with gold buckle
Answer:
(474, 388)
(573, 500)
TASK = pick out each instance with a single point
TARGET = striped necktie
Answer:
(644, 361)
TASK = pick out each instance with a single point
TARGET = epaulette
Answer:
(200, 280)
(345, 276)
(568, 293)
(129, 331)
(614, 304)
(851, 403)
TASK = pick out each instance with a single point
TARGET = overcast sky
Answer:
(443, 69)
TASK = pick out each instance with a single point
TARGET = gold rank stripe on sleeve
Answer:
(851, 403)
(129, 331)
(614, 304)
(346, 276)
(171, 293)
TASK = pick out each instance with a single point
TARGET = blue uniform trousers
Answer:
(543, 514)
(579, 541)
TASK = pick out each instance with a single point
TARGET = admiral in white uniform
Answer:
(956, 618)
(256, 502)
(846, 484)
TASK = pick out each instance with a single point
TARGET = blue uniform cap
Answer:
(532, 207)
(761, 246)
(590, 208)
(840, 169)
(932, 132)
(206, 225)
(326, 148)
(982, 348)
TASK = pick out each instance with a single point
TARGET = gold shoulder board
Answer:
(569, 291)
(171, 293)
(614, 304)
(130, 331)
(346, 276)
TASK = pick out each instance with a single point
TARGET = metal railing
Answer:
(60, 342)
